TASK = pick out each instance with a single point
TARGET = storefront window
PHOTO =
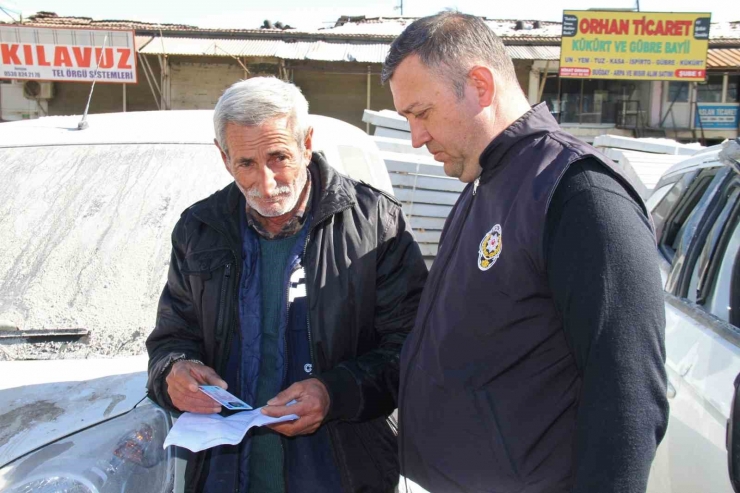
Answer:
(733, 89)
(596, 101)
(550, 96)
(678, 92)
(711, 92)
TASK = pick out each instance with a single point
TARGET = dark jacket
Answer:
(364, 276)
(488, 366)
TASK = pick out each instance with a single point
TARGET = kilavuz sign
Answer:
(32, 53)
(634, 45)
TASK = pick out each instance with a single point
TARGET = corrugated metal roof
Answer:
(300, 50)
(533, 52)
(306, 50)
(141, 41)
(723, 58)
(213, 47)
(381, 28)
(324, 51)
(717, 58)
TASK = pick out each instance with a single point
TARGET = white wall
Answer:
(13, 106)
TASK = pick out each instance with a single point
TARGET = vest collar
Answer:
(536, 121)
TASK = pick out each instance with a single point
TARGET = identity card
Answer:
(226, 399)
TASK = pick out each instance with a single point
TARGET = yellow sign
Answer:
(634, 45)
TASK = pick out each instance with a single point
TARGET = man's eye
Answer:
(423, 114)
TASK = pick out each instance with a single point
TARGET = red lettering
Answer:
(41, 56)
(10, 54)
(82, 56)
(604, 26)
(624, 26)
(595, 27)
(660, 29)
(62, 57)
(107, 60)
(123, 61)
(670, 28)
(649, 27)
(28, 54)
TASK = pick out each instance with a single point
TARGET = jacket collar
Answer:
(536, 121)
(221, 210)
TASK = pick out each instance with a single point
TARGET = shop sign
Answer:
(634, 45)
(76, 55)
(716, 116)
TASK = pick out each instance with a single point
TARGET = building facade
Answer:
(338, 69)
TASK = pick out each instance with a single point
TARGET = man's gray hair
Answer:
(450, 44)
(255, 101)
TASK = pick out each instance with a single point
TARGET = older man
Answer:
(536, 362)
(292, 283)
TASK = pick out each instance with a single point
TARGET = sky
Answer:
(309, 14)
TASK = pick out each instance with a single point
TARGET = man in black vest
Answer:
(536, 361)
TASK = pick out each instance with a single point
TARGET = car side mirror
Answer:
(733, 439)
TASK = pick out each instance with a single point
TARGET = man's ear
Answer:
(224, 156)
(484, 84)
(308, 144)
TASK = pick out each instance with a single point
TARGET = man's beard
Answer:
(286, 196)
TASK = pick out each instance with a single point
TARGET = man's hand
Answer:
(182, 386)
(312, 404)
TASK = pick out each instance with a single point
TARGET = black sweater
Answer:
(604, 278)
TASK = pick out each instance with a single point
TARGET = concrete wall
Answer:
(71, 97)
(343, 95)
(523, 69)
(196, 83)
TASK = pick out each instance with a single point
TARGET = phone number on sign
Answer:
(22, 75)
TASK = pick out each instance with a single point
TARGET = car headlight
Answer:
(124, 454)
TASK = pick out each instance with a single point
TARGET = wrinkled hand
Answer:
(182, 386)
(312, 404)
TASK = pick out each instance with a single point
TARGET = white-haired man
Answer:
(292, 283)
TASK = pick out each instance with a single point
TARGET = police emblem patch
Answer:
(490, 248)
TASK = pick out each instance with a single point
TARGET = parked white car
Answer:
(696, 210)
(86, 217)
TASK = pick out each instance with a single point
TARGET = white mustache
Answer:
(278, 192)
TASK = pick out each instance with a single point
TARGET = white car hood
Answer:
(43, 401)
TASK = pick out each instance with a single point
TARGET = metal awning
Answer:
(533, 52)
(723, 58)
(717, 58)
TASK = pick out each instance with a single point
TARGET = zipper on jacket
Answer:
(343, 478)
(221, 314)
(287, 314)
(432, 299)
(222, 300)
(308, 311)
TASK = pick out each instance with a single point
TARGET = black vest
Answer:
(489, 388)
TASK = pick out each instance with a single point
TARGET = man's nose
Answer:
(419, 134)
(266, 181)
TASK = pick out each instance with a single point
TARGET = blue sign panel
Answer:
(717, 116)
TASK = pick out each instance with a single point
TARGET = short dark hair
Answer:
(450, 43)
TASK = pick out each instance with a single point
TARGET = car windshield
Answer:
(86, 240)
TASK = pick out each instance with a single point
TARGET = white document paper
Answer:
(198, 432)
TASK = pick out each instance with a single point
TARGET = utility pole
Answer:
(638, 5)
(399, 7)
